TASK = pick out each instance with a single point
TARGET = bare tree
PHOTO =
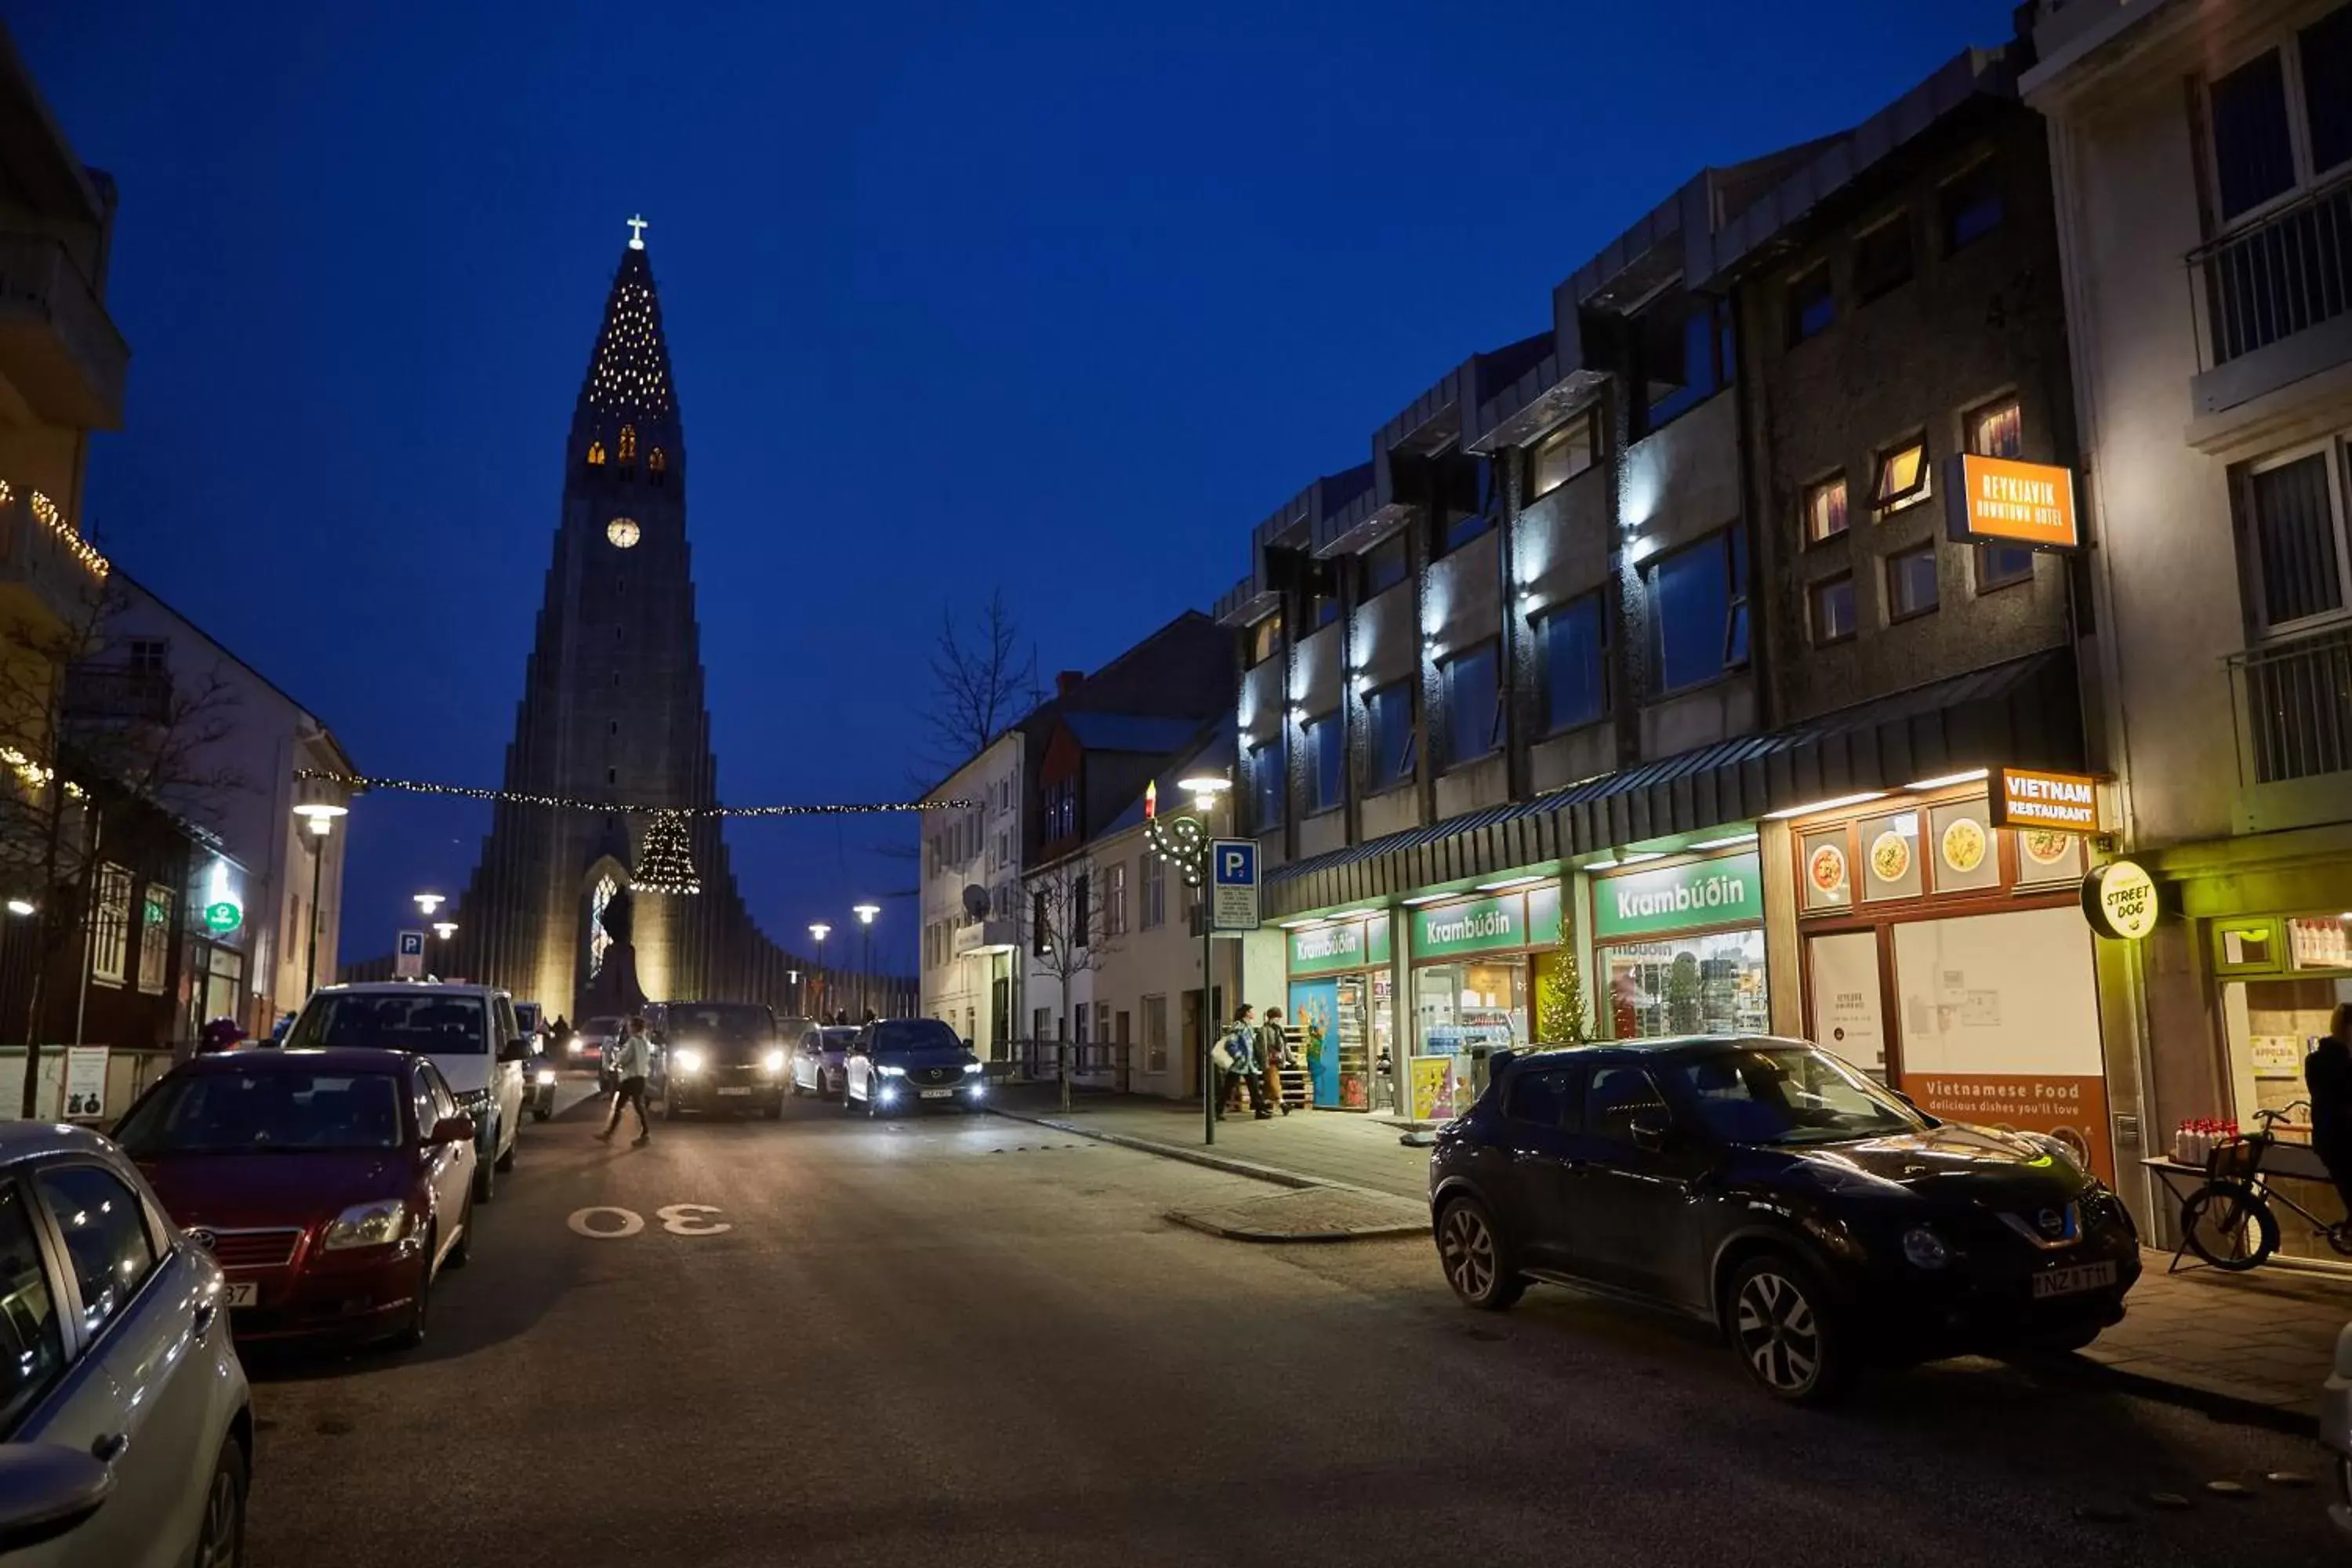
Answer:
(980, 683)
(82, 730)
(1068, 933)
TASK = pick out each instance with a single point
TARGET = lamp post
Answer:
(444, 930)
(865, 913)
(1183, 842)
(428, 904)
(820, 930)
(321, 814)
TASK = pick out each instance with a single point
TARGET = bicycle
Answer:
(2228, 1221)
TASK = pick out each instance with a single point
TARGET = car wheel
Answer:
(486, 1180)
(1476, 1260)
(541, 1110)
(220, 1535)
(2228, 1226)
(461, 1251)
(506, 1161)
(1783, 1330)
(420, 1307)
(669, 1107)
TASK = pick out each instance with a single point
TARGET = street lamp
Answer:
(1184, 843)
(444, 930)
(321, 814)
(20, 906)
(865, 913)
(820, 930)
(429, 903)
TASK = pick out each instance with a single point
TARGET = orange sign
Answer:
(2013, 502)
(2030, 797)
(2071, 1108)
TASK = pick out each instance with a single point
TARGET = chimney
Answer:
(1069, 682)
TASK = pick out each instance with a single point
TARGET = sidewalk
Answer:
(2251, 1347)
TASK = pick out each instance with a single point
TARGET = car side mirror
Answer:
(47, 1490)
(967, 1044)
(458, 1129)
(1904, 1098)
(1651, 1133)
(517, 1050)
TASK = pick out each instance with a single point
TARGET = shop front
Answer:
(1475, 965)
(1945, 951)
(1680, 947)
(1341, 988)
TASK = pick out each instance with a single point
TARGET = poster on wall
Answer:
(1846, 1006)
(85, 1081)
(2000, 1026)
(1433, 1087)
(1314, 1030)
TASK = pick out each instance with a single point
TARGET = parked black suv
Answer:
(1818, 1220)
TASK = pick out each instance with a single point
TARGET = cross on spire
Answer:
(637, 228)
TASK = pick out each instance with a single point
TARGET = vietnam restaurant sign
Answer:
(1344, 945)
(1487, 925)
(1728, 890)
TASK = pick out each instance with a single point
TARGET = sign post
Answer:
(85, 1083)
(408, 961)
(1232, 906)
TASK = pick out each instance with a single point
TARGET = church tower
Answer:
(612, 711)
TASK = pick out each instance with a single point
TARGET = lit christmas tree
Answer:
(1559, 997)
(665, 865)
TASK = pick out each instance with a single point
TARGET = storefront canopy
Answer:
(2026, 712)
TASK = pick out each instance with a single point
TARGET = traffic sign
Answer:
(1233, 884)
(408, 961)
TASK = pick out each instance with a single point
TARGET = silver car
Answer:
(2336, 1430)
(128, 1428)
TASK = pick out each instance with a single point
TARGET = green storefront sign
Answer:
(1350, 944)
(1728, 890)
(1480, 925)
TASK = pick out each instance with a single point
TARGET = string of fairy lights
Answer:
(356, 784)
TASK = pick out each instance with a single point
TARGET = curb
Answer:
(2213, 1402)
(1273, 1174)
(1285, 1237)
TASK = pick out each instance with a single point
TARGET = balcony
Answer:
(115, 694)
(58, 348)
(2293, 702)
(46, 568)
(2274, 299)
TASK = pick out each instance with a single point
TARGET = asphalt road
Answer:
(976, 1341)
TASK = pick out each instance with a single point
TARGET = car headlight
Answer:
(887, 1094)
(546, 1077)
(378, 1224)
(474, 1102)
(1924, 1248)
(889, 1069)
(773, 1061)
(687, 1060)
(971, 1067)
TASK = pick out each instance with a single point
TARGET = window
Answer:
(1037, 1030)
(1972, 206)
(1264, 640)
(420, 1099)
(1474, 705)
(111, 926)
(1456, 528)
(1575, 640)
(155, 937)
(1882, 257)
(1540, 1098)
(1061, 812)
(1327, 756)
(2324, 50)
(1998, 430)
(657, 464)
(1698, 603)
(1082, 911)
(1152, 890)
(32, 1346)
(105, 1230)
(1811, 306)
(2295, 541)
(1902, 476)
(628, 443)
(1041, 934)
(1322, 610)
(1267, 791)
(1911, 583)
(1388, 725)
(1825, 509)
(1386, 565)
(596, 454)
(1081, 1011)
(1615, 1097)
(1114, 896)
(1562, 455)
(2254, 150)
(147, 656)
(1832, 608)
(1155, 1034)
(1684, 354)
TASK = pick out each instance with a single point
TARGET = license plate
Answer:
(2073, 1279)
(735, 1091)
(246, 1295)
(938, 1094)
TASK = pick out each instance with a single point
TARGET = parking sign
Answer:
(1233, 884)
(408, 959)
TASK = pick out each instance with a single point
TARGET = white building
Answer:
(970, 974)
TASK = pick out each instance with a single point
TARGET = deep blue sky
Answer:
(1061, 297)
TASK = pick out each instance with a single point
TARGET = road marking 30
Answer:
(677, 1219)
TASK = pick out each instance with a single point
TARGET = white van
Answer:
(469, 1031)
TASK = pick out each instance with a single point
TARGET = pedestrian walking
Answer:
(2328, 1079)
(1274, 1046)
(1237, 1069)
(632, 1063)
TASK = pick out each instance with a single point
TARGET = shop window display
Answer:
(1465, 1010)
(1704, 985)
(2271, 1025)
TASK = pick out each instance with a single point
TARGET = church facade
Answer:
(558, 910)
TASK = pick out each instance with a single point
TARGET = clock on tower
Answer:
(621, 532)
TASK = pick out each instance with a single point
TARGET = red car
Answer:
(332, 1186)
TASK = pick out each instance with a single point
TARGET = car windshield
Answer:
(608, 1027)
(433, 1022)
(837, 1039)
(722, 1021)
(899, 1037)
(261, 1112)
(1784, 1094)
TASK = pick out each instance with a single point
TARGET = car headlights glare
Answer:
(973, 1068)
(1924, 1248)
(378, 1224)
(889, 1069)
(686, 1060)
(546, 1077)
(773, 1061)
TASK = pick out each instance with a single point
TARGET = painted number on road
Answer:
(605, 1223)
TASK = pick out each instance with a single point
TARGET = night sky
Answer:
(1053, 297)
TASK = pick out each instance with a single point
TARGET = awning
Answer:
(2025, 713)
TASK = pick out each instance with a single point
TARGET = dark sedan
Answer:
(1818, 1220)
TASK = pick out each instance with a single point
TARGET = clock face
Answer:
(621, 532)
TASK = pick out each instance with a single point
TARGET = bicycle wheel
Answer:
(2229, 1225)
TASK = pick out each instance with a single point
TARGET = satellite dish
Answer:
(975, 901)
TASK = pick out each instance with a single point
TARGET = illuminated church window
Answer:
(599, 939)
(628, 443)
(596, 454)
(657, 464)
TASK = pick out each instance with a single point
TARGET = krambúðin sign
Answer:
(1726, 890)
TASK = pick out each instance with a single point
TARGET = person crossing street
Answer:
(633, 1063)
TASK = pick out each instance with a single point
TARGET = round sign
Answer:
(2120, 899)
(224, 917)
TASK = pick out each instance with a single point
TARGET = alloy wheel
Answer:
(1777, 1331)
(1467, 1247)
(222, 1541)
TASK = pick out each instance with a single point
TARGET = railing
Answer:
(117, 694)
(2286, 272)
(2293, 703)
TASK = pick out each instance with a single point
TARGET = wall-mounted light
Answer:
(1830, 804)
(24, 906)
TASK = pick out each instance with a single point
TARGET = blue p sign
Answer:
(412, 943)
(1236, 865)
